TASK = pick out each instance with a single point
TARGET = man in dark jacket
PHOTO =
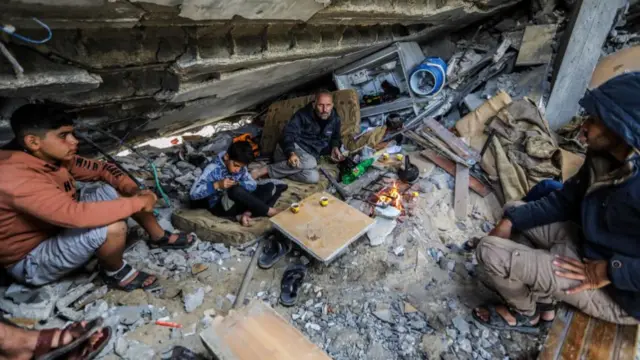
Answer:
(313, 131)
(580, 244)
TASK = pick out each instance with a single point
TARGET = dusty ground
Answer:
(389, 304)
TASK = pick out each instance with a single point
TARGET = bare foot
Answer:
(549, 315)
(245, 219)
(273, 212)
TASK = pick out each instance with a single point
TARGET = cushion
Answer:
(345, 102)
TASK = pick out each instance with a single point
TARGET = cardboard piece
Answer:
(257, 332)
(324, 232)
(536, 48)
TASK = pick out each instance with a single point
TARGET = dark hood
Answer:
(616, 103)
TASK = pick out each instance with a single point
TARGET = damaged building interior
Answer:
(319, 179)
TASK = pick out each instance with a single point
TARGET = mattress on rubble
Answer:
(216, 229)
(345, 102)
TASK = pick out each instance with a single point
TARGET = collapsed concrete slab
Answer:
(42, 77)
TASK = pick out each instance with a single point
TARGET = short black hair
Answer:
(38, 119)
(242, 152)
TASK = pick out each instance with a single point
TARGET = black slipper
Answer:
(182, 242)
(138, 281)
(497, 322)
(542, 307)
(274, 250)
(292, 279)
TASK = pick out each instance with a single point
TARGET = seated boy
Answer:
(227, 189)
(47, 228)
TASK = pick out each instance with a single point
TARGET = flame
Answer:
(390, 196)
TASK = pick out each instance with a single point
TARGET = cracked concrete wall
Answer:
(182, 62)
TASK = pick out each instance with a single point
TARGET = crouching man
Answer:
(313, 131)
(580, 244)
(227, 189)
(47, 228)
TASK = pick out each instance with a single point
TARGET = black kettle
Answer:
(409, 172)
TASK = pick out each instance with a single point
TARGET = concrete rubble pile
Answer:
(407, 293)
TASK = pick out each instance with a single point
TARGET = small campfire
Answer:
(390, 196)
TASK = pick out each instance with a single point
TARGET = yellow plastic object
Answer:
(295, 208)
(324, 201)
(399, 157)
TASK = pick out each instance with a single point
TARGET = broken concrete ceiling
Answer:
(156, 66)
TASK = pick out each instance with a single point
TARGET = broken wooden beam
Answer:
(578, 55)
(461, 192)
(431, 142)
(450, 167)
(455, 143)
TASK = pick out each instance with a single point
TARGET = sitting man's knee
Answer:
(308, 163)
(485, 249)
(117, 230)
(512, 204)
(235, 191)
(312, 176)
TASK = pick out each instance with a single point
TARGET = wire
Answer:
(156, 179)
(9, 29)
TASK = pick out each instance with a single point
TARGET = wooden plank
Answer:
(450, 167)
(578, 55)
(536, 48)
(257, 332)
(555, 337)
(628, 338)
(461, 194)
(455, 143)
(602, 340)
(574, 340)
(430, 142)
(324, 232)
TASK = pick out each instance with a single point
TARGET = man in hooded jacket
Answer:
(581, 244)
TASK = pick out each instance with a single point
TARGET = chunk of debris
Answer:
(193, 300)
(198, 268)
(461, 324)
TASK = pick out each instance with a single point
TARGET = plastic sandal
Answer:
(292, 279)
(497, 322)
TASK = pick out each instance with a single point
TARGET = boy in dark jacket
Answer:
(313, 131)
(227, 189)
(580, 244)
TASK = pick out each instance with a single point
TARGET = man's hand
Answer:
(294, 160)
(149, 198)
(502, 229)
(225, 184)
(336, 154)
(592, 273)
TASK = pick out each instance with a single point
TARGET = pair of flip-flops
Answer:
(293, 277)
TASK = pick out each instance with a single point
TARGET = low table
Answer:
(324, 232)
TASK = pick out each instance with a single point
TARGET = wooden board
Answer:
(536, 48)
(324, 232)
(455, 143)
(450, 167)
(578, 55)
(257, 332)
(575, 335)
(461, 192)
